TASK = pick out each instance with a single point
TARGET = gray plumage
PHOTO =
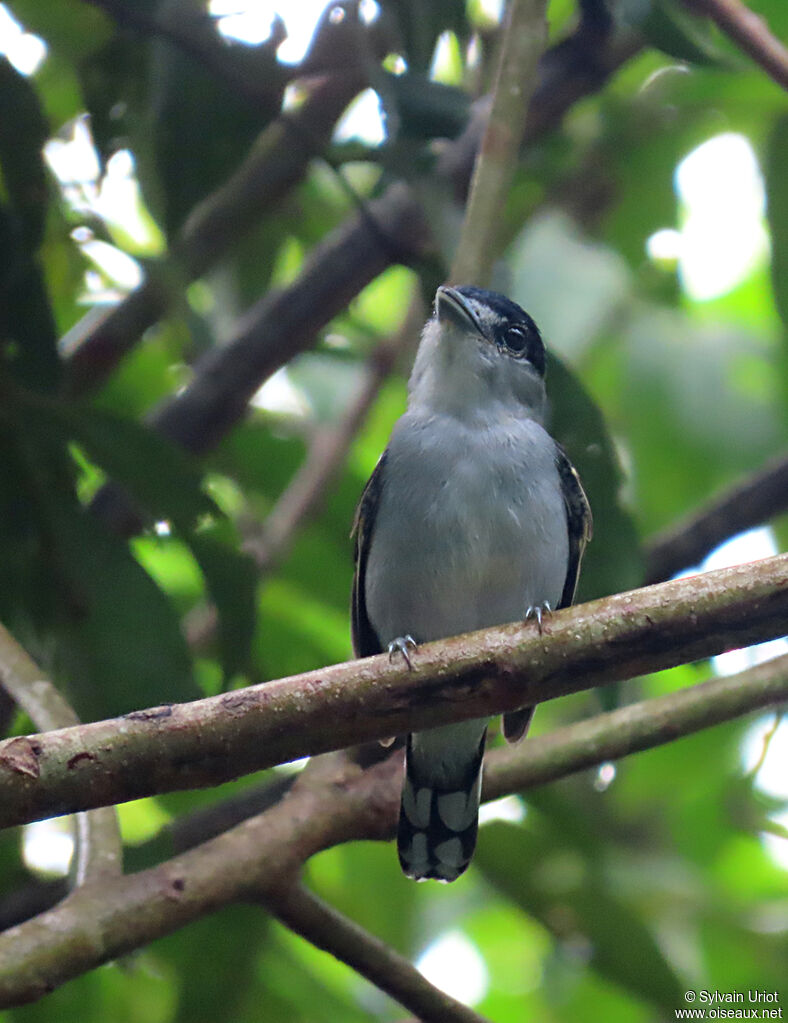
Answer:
(473, 517)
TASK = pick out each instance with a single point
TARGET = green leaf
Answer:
(418, 108)
(613, 560)
(73, 30)
(117, 637)
(684, 440)
(231, 579)
(674, 31)
(27, 329)
(169, 485)
(196, 111)
(222, 990)
(126, 646)
(28, 342)
(23, 132)
(160, 475)
(421, 24)
(570, 897)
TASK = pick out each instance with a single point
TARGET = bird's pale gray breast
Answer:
(471, 528)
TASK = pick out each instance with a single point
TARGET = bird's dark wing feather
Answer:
(579, 525)
(365, 639)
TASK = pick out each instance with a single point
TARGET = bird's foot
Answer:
(537, 611)
(401, 645)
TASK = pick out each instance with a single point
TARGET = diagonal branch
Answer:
(328, 929)
(276, 162)
(99, 848)
(98, 923)
(751, 502)
(639, 726)
(750, 33)
(337, 804)
(488, 672)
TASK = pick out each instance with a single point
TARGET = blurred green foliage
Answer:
(606, 900)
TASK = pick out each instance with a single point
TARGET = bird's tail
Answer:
(439, 813)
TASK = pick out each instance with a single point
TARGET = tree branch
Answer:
(578, 66)
(545, 758)
(336, 804)
(98, 923)
(749, 503)
(637, 727)
(328, 929)
(275, 163)
(524, 39)
(488, 672)
(269, 171)
(99, 847)
(750, 33)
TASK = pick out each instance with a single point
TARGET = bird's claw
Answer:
(400, 645)
(536, 611)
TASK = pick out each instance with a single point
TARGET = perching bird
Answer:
(473, 517)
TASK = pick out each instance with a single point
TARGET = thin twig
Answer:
(524, 40)
(100, 923)
(328, 929)
(495, 670)
(750, 33)
(749, 503)
(766, 744)
(99, 847)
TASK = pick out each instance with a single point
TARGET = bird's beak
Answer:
(451, 307)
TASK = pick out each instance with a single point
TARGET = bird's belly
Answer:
(465, 550)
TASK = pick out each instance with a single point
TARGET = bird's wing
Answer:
(365, 640)
(579, 524)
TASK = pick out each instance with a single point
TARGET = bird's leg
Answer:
(401, 645)
(536, 611)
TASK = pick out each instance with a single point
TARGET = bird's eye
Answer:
(515, 340)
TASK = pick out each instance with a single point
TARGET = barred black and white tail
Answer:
(439, 813)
